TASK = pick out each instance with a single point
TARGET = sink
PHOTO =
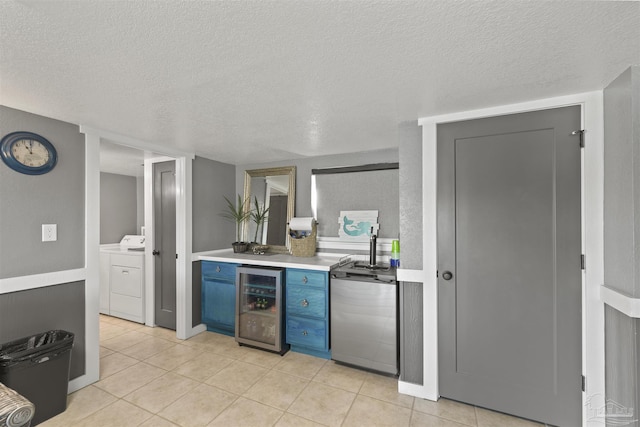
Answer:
(362, 269)
(366, 266)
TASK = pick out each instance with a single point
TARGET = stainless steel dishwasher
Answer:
(364, 316)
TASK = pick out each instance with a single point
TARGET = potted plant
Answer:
(258, 215)
(239, 214)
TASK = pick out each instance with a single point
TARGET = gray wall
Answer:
(621, 365)
(366, 190)
(27, 202)
(410, 152)
(118, 207)
(196, 300)
(30, 201)
(621, 182)
(212, 181)
(59, 307)
(622, 235)
(303, 172)
(410, 182)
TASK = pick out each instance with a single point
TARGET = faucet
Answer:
(372, 249)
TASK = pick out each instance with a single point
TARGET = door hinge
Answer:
(584, 383)
(581, 133)
(176, 256)
(582, 262)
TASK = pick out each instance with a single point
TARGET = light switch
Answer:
(49, 232)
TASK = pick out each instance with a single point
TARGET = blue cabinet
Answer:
(307, 312)
(219, 296)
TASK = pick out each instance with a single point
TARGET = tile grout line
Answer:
(204, 346)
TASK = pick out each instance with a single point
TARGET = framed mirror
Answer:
(275, 190)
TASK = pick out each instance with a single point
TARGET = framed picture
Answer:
(356, 226)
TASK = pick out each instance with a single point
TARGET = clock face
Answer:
(28, 153)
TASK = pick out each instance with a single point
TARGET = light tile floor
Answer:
(149, 378)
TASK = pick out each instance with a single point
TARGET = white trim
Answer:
(149, 262)
(593, 317)
(184, 236)
(197, 329)
(23, 283)
(92, 265)
(429, 260)
(134, 142)
(183, 223)
(593, 241)
(160, 159)
(625, 304)
(183, 292)
(407, 275)
(414, 390)
(523, 107)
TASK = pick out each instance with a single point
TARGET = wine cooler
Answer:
(260, 308)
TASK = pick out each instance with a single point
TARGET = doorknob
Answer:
(156, 252)
(447, 275)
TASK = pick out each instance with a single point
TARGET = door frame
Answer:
(184, 164)
(592, 187)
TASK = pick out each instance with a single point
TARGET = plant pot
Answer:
(239, 247)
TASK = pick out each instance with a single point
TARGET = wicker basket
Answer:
(305, 246)
(15, 409)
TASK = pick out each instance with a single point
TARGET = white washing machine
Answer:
(122, 278)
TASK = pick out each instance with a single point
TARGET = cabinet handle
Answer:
(304, 279)
(125, 271)
(304, 303)
(305, 333)
(218, 269)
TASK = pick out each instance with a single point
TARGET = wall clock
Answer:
(28, 153)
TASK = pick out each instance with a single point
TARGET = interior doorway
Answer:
(122, 163)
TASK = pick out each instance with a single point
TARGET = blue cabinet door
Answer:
(310, 333)
(309, 302)
(219, 296)
(219, 306)
(306, 278)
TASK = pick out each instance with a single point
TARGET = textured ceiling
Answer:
(261, 81)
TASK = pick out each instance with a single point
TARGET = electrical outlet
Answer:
(49, 232)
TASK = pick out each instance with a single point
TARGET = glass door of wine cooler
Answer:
(260, 308)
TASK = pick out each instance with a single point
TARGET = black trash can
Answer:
(37, 367)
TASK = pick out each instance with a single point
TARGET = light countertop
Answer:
(324, 262)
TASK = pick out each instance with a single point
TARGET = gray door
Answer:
(509, 264)
(164, 211)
